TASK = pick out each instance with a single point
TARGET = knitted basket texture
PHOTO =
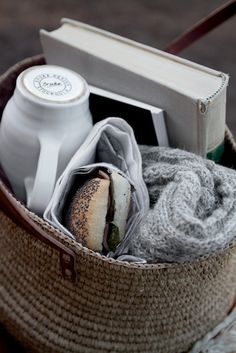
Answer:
(110, 306)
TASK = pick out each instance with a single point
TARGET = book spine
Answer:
(212, 113)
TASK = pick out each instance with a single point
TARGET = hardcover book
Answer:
(192, 96)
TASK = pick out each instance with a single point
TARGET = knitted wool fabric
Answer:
(193, 207)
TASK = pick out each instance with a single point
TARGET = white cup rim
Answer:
(36, 100)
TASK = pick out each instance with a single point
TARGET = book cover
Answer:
(147, 121)
(192, 96)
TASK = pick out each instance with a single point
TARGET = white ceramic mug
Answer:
(42, 126)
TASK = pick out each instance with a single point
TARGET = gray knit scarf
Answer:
(193, 207)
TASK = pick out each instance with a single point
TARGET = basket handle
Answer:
(17, 213)
(202, 27)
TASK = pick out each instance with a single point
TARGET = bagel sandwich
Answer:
(98, 211)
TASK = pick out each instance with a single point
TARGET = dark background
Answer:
(153, 22)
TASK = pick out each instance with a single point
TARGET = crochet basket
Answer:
(58, 296)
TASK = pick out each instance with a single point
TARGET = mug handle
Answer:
(40, 188)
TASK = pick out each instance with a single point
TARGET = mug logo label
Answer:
(52, 84)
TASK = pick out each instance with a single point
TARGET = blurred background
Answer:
(153, 22)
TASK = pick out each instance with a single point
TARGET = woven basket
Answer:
(57, 296)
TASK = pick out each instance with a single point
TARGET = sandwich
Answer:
(98, 212)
